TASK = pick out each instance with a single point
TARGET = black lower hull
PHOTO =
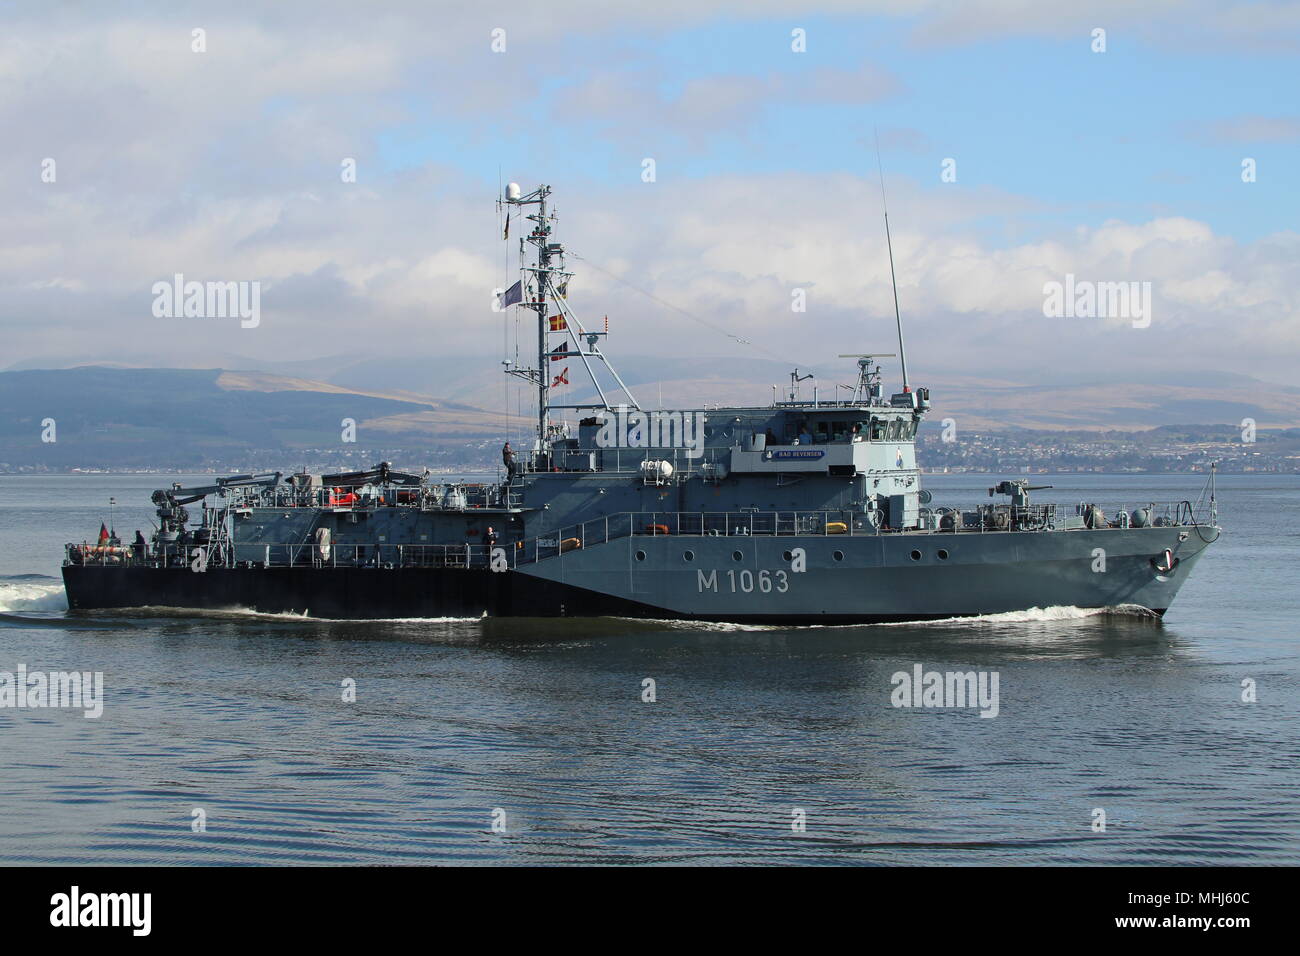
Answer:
(370, 593)
(346, 592)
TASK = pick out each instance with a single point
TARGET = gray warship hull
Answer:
(841, 579)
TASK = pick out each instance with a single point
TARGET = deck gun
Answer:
(1018, 489)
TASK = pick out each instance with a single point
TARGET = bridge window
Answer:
(878, 429)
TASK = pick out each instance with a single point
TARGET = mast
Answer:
(545, 287)
(541, 273)
(537, 298)
(898, 318)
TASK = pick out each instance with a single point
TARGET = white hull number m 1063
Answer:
(744, 581)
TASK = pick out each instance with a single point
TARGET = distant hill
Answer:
(124, 417)
(1081, 395)
(121, 417)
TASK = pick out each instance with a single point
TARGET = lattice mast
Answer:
(544, 285)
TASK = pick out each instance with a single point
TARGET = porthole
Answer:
(942, 554)
(737, 556)
(916, 555)
(787, 556)
(688, 555)
(640, 555)
(838, 555)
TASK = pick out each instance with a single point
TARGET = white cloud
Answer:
(416, 273)
(225, 165)
(626, 105)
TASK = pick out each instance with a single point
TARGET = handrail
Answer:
(285, 554)
(833, 522)
(689, 524)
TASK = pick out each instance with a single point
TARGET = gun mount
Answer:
(1018, 489)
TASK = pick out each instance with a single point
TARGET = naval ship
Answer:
(807, 510)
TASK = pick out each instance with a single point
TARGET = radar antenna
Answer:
(868, 389)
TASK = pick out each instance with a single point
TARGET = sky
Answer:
(1015, 152)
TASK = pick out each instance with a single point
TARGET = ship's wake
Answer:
(1037, 615)
(1032, 615)
(27, 593)
(533, 627)
(236, 613)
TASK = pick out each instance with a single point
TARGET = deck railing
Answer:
(596, 531)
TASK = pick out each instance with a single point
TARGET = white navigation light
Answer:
(512, 191)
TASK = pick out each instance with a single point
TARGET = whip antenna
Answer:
(898, 318)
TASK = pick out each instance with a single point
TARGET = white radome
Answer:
(512, 191)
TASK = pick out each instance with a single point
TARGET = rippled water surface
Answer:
(542, 723)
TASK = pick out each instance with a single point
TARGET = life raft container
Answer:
(657, 528)
(836, 527)
(569, 544)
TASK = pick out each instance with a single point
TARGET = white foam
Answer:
(1032, 615)
(726, 625)
(32, 596)
(305, 616)
(1038, 615)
